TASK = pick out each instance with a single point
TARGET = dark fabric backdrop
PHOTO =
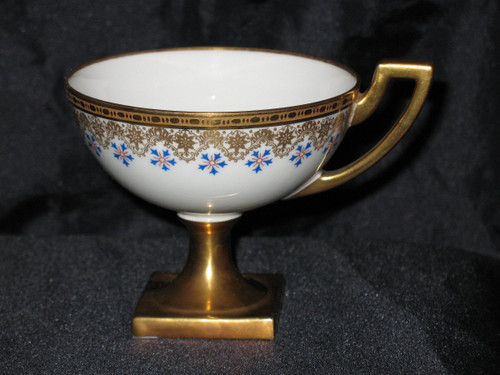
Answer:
(397, 271)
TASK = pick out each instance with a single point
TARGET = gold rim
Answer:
(236, 119)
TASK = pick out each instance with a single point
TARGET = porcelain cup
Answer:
(213, 132)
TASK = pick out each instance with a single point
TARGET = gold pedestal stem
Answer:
(209, 298)
(210, 283)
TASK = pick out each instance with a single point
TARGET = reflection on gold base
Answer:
(153, 316)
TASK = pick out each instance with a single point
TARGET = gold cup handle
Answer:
(366, 104)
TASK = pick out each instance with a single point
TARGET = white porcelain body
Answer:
(212, 172)
(185, 181)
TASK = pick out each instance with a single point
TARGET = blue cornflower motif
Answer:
(332, 142)
(259, 160)
(162, 159)
(122, 153)
(301, 153)
(92, 143)
(212, 163)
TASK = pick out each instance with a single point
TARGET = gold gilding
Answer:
(367, 102)
(210, 120)
(209, 298)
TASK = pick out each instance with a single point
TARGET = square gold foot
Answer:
(151, 319)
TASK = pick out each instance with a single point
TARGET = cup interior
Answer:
(212, 80)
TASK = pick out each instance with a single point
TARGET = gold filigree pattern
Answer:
(235, 144)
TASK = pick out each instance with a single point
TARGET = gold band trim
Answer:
(211, 119)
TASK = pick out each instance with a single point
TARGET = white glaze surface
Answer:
(212, 80)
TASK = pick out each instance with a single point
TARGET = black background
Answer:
(396, 271)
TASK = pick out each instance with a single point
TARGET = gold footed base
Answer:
(157, 316)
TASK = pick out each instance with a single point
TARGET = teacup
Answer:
(213, 132)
